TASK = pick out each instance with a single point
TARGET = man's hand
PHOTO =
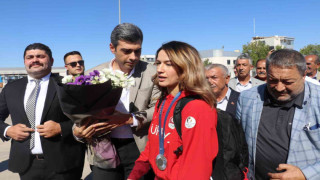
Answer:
(19, 132)
(49, 129)
(120, 119)
(84, 131)
(115, 120)
(291, 172)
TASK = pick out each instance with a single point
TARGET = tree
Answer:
(278, 47)
(311, 49)
(256, 50)
(206, 62)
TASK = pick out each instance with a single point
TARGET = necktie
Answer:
(31, 109)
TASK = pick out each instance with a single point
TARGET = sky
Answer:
(85, 26)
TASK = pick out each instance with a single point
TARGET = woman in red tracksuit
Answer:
(180, 73)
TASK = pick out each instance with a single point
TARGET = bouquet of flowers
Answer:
(88, 97)
(93, 95)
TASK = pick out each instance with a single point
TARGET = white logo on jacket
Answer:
(155, 130)
(171, 123)
(190, 122)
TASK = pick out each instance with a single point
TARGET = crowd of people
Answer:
(180, 120)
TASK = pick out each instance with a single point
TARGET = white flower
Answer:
(131, 82)
(67, 79)
(107, 71)
(118, 78)
(103, 79)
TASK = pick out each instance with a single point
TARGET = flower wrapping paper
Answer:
(83, 103)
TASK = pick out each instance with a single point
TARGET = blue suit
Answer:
(304, 149)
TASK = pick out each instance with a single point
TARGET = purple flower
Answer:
(94, 73)
(80, 80)
(87, 78)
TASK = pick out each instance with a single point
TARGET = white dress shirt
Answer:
(224, 102)
(314, 81)
(37, 149)
(240, 87)
(123, 107)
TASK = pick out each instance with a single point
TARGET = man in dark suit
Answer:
(42, 145)
(218, 77)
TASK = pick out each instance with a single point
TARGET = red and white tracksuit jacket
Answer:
(199, 141)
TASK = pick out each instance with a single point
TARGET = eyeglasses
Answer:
(74, 64)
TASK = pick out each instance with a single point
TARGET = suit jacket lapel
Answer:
(50, 96)
(137, 75)
(232, 103)
(256, 116)
(301, 117)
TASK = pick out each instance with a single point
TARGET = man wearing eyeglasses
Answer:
(74, 63)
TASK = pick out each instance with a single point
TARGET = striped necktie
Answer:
(31, 109)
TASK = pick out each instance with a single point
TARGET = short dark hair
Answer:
(260, 60)
(287, 58)
(39, 46)
(127, 32)
(71, 53)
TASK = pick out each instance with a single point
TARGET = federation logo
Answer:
(171, 123)
(190, 122)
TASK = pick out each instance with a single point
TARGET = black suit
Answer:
(232, 103)
(61, 152)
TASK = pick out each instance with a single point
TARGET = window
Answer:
(228, 61)
(234, 61)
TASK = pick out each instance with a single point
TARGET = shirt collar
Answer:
(45, 78)
(297, 101)
(315, 76)
(226, 97)
(110, 67)
(250, 82)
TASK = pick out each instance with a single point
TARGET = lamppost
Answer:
(119, 13)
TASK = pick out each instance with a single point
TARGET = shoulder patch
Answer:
(171, 123)
(190, 122)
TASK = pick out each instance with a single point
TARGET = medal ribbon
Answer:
(161, 135)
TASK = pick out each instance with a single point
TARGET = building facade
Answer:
(11, 74)
(148, 58)
(274, 41)
(220, 56)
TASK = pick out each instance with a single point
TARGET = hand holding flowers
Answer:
(89, 101)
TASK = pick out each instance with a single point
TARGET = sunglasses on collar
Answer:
(74, 64)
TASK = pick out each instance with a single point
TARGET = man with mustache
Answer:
(261, 70)
(74, 63)
(313, 64)
(244, 80)
(281, 121)
(42, 144)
